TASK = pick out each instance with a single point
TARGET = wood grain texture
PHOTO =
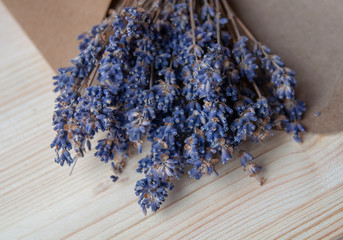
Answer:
(301, 199)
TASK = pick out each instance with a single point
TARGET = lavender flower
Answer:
(247, 161)
(195, 86)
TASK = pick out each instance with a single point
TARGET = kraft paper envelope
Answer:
(307, 34)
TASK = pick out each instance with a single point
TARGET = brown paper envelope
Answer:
(53, 25)
(307, 35)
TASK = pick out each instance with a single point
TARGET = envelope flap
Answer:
(53, 26)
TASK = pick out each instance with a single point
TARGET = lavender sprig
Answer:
(186, 75)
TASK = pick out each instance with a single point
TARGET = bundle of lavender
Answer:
(186, 74)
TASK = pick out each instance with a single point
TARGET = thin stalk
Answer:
(165, 5)
(218, 23)
(267, 55)
(259, 179)
(151, 76)
(145, 4)
(72, 169)
(157, 14)
(95, 73)
(123, 5)
(141, 3)
(159, 10)
(148, 6)
(231, 16)
(87, 81)
(246, 30)
(229, 29)
(171, 63)
(192, 20)
(256, 89)
(252, 38)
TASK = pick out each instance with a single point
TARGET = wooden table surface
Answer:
(301, 199)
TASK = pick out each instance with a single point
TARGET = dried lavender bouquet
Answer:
(186, 74)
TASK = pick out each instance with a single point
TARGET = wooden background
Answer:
(302, 198)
